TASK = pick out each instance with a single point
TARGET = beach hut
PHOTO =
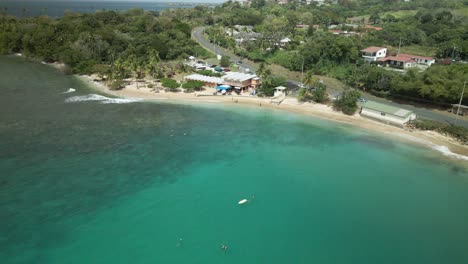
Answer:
(280, 91)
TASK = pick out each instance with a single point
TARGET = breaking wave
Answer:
(446, 151)
(442, 149)
(71, 90)
(100, 98)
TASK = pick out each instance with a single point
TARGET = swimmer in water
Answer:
(179, 243)
(224, 247)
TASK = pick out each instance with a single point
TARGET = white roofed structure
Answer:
(239, 76)
(208, 80)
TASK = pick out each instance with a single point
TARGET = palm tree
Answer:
(310, 80)
(261, 69)
(153, 62)
(132, 65)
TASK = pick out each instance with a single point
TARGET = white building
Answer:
(405, 61)
(386, 113)
(242, 2)
(373, 53)
(280, 91)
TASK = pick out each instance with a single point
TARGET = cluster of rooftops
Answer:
(399, 60)
(237, 80)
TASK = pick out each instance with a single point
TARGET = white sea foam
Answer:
(442, 149)
(446, 151)
(71, 90)
(101, 99)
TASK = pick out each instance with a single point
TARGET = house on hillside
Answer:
(386, 113)
(241, 28)
(367, 28)
(318, 2)
(344, 33)
(284, 42)
(373, 53)
(242, 37)
(405, 61)
(243, 2)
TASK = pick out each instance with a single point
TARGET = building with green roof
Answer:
(386, 113)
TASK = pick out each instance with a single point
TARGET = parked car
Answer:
(362, 100)
(226, 70)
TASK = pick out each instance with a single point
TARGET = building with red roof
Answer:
(404, 61)
(371, 28)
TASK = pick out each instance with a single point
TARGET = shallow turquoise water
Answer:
(87, 182)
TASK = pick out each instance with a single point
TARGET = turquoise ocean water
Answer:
(90, 179)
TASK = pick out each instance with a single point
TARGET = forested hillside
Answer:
(134, 41)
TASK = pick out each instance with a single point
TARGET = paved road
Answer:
(197, 35)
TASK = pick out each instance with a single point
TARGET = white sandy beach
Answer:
(447, 145)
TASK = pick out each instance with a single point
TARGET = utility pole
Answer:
(399, 46)
(302, 72)
(461, 98)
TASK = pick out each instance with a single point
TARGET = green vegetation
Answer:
(137, 44)
(225, 61)
(269, 82)
(424, 27)
(313, 90)
(209, 73)
(347, 103)
(115, 45)
(171, 84)
(190, 86)
(458, 132)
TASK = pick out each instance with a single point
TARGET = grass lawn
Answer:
(400, 13)
(417, 50)
(460, 12)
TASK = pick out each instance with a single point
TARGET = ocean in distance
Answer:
(86, 178)
(31, 8)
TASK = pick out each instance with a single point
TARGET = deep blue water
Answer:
(57, 8)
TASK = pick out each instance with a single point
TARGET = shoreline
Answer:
(446, 145)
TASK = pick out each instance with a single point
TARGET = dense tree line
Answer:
(138, 43)
(130, 43)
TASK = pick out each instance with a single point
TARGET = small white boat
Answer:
(243, 201)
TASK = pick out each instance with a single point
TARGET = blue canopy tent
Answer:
(223, 87)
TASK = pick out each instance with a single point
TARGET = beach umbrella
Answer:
(223, 87)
